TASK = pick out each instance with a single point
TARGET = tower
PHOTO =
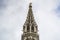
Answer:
(30, 28)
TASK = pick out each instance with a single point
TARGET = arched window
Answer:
(28, 28)
(32, 28)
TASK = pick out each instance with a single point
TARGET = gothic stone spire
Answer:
(30, 24)
(30, 27)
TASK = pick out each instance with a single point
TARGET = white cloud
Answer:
(15, 14)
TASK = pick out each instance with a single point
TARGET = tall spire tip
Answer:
(30, 5)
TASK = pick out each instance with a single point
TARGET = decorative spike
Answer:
(30, 20)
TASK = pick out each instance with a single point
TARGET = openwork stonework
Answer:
(30, 29)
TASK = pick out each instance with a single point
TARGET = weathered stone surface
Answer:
(30, 28)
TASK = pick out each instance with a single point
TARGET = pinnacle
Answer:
(30, 16)
(30, 23)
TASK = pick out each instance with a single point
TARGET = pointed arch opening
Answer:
(32, 28)
(28, 28)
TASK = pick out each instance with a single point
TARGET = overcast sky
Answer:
(13, 15)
